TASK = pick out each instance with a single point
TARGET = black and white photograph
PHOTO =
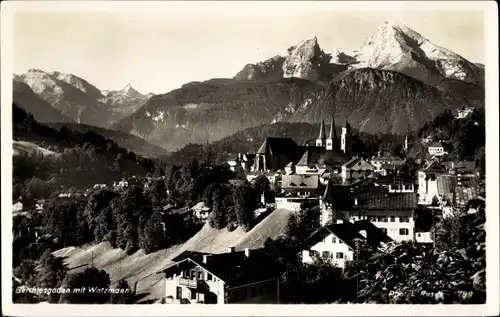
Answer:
(311, 156)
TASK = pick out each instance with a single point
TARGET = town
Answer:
(254, 156)
(345, 202)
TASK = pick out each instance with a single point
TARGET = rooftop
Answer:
(277, 146)
(233, 268)
(300, 182)
(348, 232)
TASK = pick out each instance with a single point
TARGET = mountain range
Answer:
(79, 100)
(395, 82)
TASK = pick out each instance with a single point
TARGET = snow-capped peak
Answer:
(397, 47)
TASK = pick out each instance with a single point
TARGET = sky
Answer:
(157, 51)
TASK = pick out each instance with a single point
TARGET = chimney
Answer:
(247, 252)
(205, 258)
(230, 249)
(363, 233)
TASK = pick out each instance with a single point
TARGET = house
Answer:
(122, 184)
(464, 112)
(301, 185)
(337, 243)
(457, 191)
(391, 212)
(247, 161)
(427, 182)
(200, 211)
(437, 149)
(384, 164)
(461, 168)
(294, 203)
(17, 207)
(356, 168)
(235, 164)
(242, 277)
(396, 183)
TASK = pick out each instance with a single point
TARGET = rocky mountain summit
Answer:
(81, 101)
(270, 69)
(395, 46)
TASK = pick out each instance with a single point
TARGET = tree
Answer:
(153, 238)
(51, 272)
(92, 282)
(245, 203)
(125, 294)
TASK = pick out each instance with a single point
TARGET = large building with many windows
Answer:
(391, 212)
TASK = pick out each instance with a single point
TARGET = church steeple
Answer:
(332, 138)
(321, 140)
(346, 145)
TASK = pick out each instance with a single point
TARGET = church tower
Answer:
(332, 141)
(346, 145)
(321, 140)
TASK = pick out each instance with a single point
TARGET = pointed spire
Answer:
(322, 130)
(333, 132)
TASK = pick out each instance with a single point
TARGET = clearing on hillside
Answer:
(140, 270)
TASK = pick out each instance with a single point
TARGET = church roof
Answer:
(319, 155)
(322, 130)
(333, 132)
(277, 146)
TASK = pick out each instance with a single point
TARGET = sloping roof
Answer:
(384, 201)
(351, 162)
(200, 206)
(459, 190)
(434, 166)
(234, 268)
(300, 182)
(277, 146)
(347, 232)
(394, 179)
(374, 235)
(322, 130)
(368, 198)
(436, 144)
(462, 166)
(317, 155)
(388, 159)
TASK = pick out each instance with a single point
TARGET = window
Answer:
(393, 218)
(326, 255)
(193, 275)
(403, 232)
(334, 240)
(179, 292)
(200, 275)
(404, 219)
(209, 276)
(314, 253)
(384, 230)
(382, 218)
(339, 255)
(371, 218)
(193, 294)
